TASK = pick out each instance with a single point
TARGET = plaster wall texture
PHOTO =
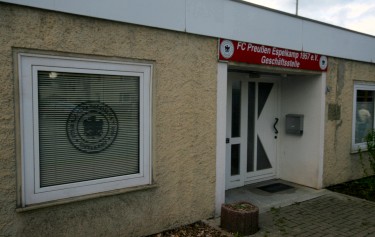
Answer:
(340, 164)
(183, 125)
(299, 156)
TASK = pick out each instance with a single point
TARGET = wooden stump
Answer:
(241, 217)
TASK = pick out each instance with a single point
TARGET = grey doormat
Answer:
(274, 188)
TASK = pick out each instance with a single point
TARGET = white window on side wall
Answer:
(363, 114)
(85, 126)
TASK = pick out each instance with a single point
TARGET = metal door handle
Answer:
(274, 125)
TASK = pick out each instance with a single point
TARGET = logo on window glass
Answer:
(92, 126)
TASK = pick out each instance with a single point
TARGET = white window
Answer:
(363, 114)
(85, 126)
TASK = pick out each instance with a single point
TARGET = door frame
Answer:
(264, 174)
(245, 177)
(221, 123)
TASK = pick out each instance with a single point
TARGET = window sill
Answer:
(355, 152)
(85, 197)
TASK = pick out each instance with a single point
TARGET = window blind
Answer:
(88, 126)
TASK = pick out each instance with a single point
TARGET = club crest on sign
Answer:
(323, 62)
(226, 49)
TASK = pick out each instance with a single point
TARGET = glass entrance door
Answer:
(252, 118)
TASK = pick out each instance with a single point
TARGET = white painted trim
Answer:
(273, 172)
(225, 19)
(222, 71)
(359, 86)
(354, 148)
(322, 131)
(244, 176)
(141, 12)
(32, 193)
(244, 129)
(259, 179)
(22, 133)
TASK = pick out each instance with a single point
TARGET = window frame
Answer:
(366, 87)
(29, 65)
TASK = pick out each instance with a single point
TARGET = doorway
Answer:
(252, 129)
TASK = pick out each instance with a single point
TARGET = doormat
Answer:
(274, 188)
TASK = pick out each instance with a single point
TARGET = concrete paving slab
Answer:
(265, 200)
(304, 211)
(330, 214)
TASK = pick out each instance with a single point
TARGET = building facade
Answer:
(125, 120)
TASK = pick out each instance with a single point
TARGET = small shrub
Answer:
(370, 141)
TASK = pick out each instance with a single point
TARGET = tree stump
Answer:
(240, 217)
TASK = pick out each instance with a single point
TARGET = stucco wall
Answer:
(300, 156)
(184, 125)
(339, 164)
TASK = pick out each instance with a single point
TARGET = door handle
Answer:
(274, 125)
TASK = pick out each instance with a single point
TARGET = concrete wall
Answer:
(301, 156)
(339, 164)
(184, 125)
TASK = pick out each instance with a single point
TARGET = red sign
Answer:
(235, 51)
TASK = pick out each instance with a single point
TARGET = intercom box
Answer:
(294, 124)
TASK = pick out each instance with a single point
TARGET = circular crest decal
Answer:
(92, 127)
(323, 62)
(226, 48)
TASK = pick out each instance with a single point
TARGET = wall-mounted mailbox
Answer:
(294, 124)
